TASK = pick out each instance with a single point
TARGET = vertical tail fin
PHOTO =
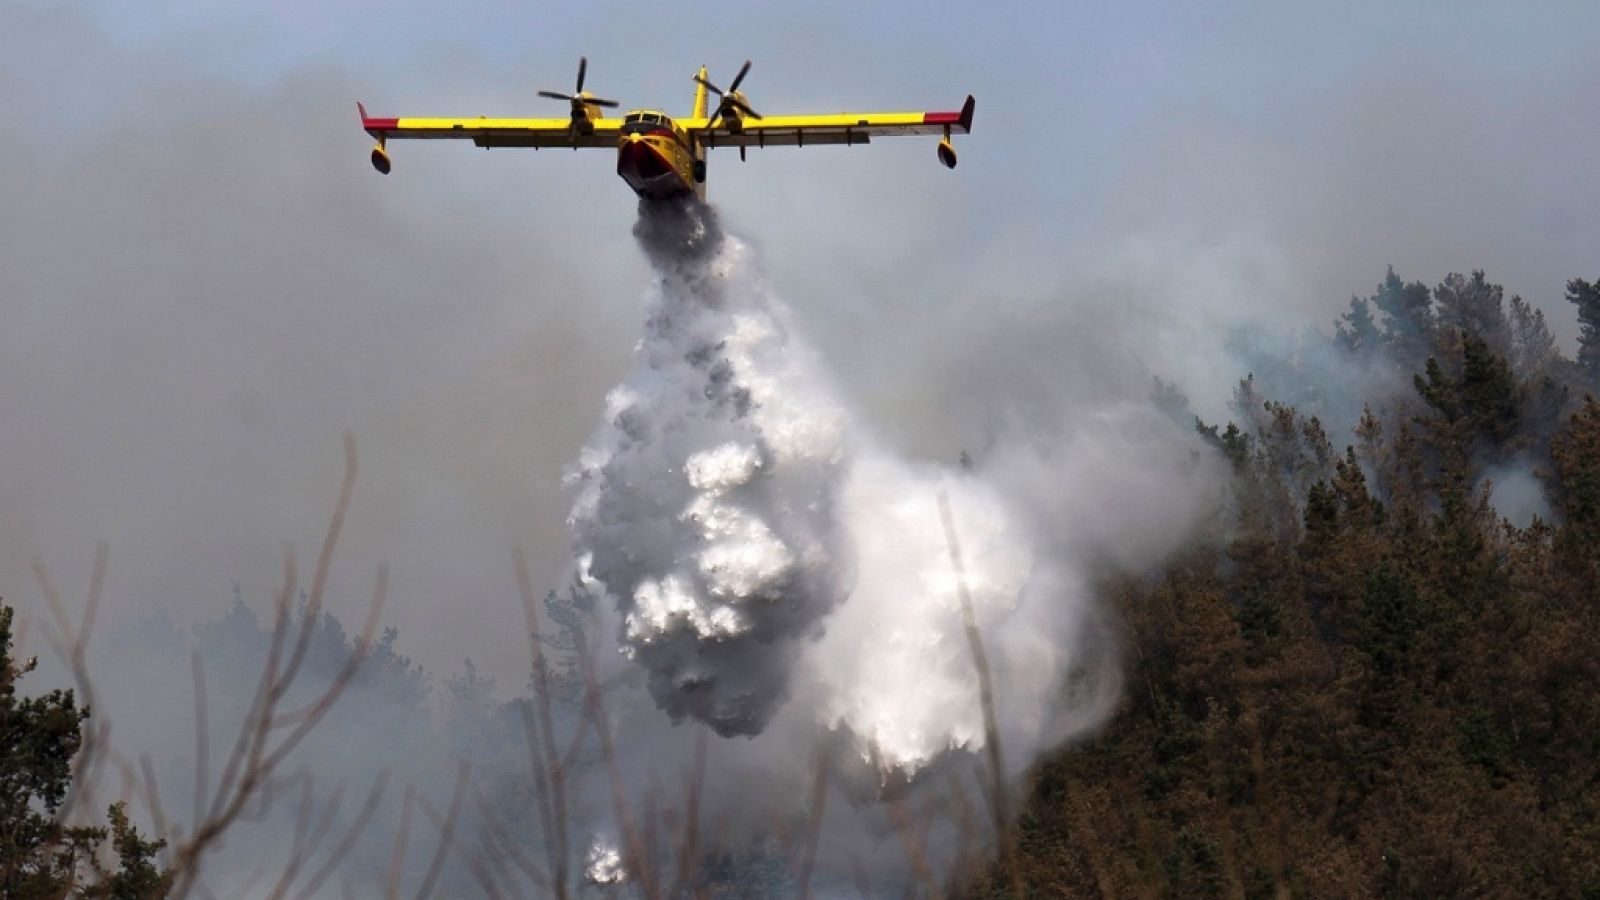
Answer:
(700, 95)
(700, 148)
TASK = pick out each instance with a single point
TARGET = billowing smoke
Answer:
(707, 506)
(749, 534)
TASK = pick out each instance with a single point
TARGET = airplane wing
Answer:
(836, 128)
(486, 132)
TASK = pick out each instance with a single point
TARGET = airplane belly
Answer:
(654, 166)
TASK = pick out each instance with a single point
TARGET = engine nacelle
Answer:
(380, 158)
(947, 153)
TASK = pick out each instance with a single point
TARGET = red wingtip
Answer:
(961, 120)
(375, 127)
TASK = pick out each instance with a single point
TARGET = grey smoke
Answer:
(707, 498)
(760, 546)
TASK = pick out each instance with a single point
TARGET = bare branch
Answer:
(307, 841)
(632, 849)
(152, 796)
(991, 728)
(397, 859)
(359, 825)
(688, 850)
(911, 840)
(319, 578)
(819, 797)
(202, 736)
(553, 769)
(505, 842)
(249, 775)
(446, 835)
(448, 841)
(255, 724)
(71, 644)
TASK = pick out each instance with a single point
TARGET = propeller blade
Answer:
(610, 104)
(709, 86)
(743, 71)
(744, 108)
(583, 68)
(555, 96)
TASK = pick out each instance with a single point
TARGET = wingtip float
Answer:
(658, 155)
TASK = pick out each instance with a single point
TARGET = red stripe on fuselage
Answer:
(648, 172)
(649, 130)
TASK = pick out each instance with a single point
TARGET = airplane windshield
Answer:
(645, 122)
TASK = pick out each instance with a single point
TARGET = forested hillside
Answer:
(1374, 673)
(1370, 682)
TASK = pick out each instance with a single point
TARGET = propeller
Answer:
(579, 97)
(732, 104)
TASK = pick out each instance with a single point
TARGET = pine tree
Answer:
(1576, 451)
(1586, 296)
(39, 857)
(1533, 348)
(1409, 323)
(1357, 331)
(38, 738)
(1473, 305)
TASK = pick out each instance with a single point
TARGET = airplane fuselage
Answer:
(657, 158)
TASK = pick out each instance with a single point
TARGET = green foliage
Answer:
(38, 738)
(1471, 304)
(1357, 331)
(1193, 867)
(1409, 321)
(137, 877)
(40, 857)
(1576, 452)
(1586, 296)
(1532, 347)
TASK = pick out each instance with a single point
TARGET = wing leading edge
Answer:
(836, 128)
(498, 132)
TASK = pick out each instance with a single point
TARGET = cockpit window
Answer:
(645, 122)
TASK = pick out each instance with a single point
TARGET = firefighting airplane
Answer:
(664, 157)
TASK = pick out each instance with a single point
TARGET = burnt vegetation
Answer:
(1381, 677)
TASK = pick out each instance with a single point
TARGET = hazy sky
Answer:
(202, 282)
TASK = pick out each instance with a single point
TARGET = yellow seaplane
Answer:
(657, 155)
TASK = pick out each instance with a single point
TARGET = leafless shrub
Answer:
(251, 778)
(658, 839)
(991, 731)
